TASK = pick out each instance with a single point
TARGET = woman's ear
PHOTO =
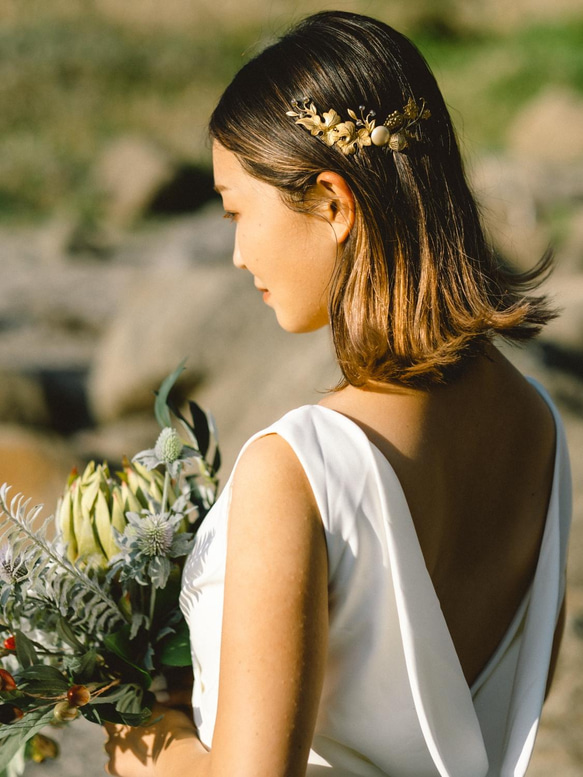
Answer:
(337, 203)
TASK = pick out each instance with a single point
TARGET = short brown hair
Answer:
(417, 288)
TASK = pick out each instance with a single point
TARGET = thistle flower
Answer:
(147, 545)
(169, 451)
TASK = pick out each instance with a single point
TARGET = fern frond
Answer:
(61, 580)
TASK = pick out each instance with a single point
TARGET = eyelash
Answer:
(229, 215)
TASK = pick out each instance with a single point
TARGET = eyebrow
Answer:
(218, 188)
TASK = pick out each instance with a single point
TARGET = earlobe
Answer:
(339, 203)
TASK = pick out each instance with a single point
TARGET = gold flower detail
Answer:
(315, 124)
(350, 136)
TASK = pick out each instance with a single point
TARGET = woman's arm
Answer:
(274, 635)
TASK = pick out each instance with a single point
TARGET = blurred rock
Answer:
(566, 332)
(189, 188)
(130, 173)
(34, 464)
(22, 400)
(113, 441)
(570, 259)
(506, 190)
(179, 243)
(550, 128)
(165, 319)
(213, 316)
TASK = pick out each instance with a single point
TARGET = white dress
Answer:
(395, 702)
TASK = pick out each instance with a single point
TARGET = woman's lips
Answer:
(265, 293)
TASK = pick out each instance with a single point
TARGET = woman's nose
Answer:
(237, 258)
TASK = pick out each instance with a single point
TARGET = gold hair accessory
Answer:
(363, 131)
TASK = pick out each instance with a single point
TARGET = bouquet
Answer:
(89, 611)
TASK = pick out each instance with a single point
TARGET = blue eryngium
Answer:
(169, 452)
(148, 543)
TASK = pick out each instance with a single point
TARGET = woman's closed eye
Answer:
(229, 215)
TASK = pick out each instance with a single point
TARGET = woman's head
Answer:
(415, 287)
(291, 255)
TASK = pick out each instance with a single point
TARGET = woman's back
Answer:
(414, 684)
(475, 460)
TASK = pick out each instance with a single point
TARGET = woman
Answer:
(388, 599)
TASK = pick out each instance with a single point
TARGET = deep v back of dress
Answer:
(395, 699)
(477, 481)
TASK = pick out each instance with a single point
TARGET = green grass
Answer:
(67, 88)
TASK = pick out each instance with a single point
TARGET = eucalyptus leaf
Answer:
(216, 465)
(128, 652)
(42, 679)
(25, 652)
(86, 666)
(200, 427)
(161, 409)
(16, 734)
(67, 634)
(174, 649)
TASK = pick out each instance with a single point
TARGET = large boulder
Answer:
(549, 128)
(507, 191)
(241, 365)
(130, 172)
(22, 400)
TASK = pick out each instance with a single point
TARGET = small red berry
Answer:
(78, 695)
(7, 682)
(10, 643)
(9, 713)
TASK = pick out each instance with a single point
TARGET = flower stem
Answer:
(152, 605)
(165, 492)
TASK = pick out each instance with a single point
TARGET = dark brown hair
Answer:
(417, 287)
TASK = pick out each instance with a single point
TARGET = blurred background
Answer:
(115, 263)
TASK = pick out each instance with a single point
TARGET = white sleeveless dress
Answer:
(395, 702)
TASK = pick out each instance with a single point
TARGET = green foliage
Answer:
(67, 88)
(161, 409)
(71, 84)
(487, 79)
(175, 648)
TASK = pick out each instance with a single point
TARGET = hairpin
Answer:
(362, 131)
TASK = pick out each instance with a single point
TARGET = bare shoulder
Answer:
(269, 460)
(270, 483)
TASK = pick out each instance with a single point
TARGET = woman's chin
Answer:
(299, 326)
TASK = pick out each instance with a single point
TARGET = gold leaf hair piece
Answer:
(350, 136)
